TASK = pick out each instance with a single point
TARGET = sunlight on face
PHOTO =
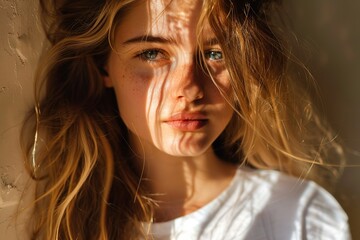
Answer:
(164, 97)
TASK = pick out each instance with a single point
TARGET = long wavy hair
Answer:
(76, 145)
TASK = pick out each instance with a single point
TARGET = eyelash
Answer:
(208, 53)
(144, 55)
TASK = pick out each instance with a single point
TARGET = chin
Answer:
(185, 150)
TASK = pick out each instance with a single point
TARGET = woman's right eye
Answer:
(151, 55)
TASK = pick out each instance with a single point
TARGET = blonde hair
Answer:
(88, 187)
(277, 125)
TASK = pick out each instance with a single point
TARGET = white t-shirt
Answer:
(262, 204)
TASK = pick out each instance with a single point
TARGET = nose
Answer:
(187, 82)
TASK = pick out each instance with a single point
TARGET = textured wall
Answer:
(328, 29)
(20, 44)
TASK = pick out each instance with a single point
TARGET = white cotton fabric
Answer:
(262, 204)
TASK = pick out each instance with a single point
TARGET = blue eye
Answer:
(214, 55)
(150, 55)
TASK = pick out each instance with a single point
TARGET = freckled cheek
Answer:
(222, 80)
(136, 93)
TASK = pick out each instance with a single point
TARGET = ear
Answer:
(105, 76)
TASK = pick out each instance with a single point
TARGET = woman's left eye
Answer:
(214, 55)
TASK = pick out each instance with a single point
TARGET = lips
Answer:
(187, 121)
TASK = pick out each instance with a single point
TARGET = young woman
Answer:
(174, 119)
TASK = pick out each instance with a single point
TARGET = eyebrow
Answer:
(149, 39)
(160, 39)
(211, 41)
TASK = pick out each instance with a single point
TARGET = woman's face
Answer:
(164, 97)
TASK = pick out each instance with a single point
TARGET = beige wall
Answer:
(20, 44)
(331, 35)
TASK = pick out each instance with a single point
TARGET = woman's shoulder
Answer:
(285, 190)
(301, 204)
(263, 204)
(282, 184)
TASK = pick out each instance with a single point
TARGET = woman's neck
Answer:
(181, 185)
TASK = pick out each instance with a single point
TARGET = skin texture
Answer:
(173, 109)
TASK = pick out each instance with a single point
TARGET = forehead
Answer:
(154, 17)
(180, 10)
